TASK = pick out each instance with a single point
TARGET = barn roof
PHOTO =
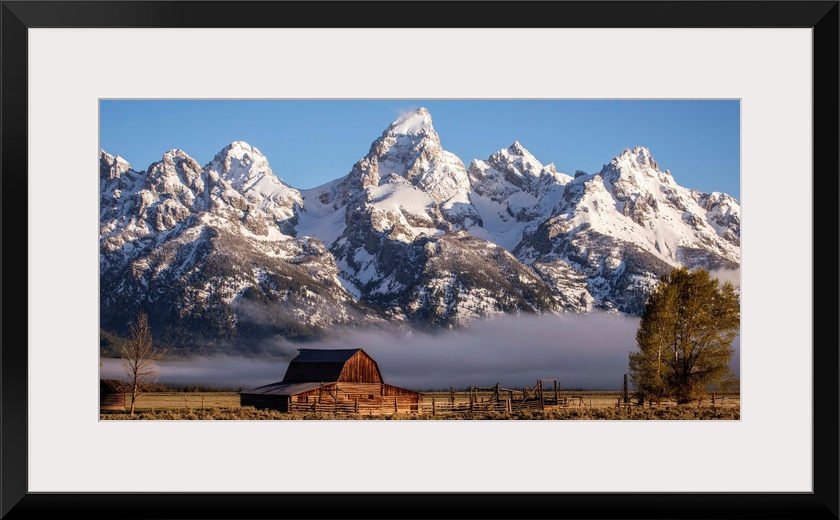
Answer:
(282, 388)
(313, 365)
(312, 355)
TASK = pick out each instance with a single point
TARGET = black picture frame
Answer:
(820, 16)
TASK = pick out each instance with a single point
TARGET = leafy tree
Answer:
(685, 337)
(139, 357)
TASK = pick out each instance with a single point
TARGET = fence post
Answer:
(395, 405)
(202, 402)
(356, 405)
(185, 401)
(433, 406)
(626, 390)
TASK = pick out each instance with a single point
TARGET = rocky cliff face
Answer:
(209, 254)
(229, 255)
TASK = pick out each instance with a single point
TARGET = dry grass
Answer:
(248, 413)
(587, 405)
(183, 400)
(583, 399)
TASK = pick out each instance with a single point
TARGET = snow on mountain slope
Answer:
(410, 149)
(628, 224)
(632, 200)
(230, 251)
(405, 192)
(244, 187)
(237, 185)
(318, 217)
(209, 253)
(451, 279)
(512, 192)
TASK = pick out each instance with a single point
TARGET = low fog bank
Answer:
(223, 371)
(587, 352)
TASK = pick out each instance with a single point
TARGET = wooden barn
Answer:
(338, 381)
(111, 395)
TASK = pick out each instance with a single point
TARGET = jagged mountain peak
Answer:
(112, 165)
(238, 155)
(634, 170)
(242, 165)
(174, 158)
(239, 150)
(408, 232)
(237, 159)
(409, 148)
(415, 122)
(637, 157)
(176, 153)
(517, 149)
(411, 133)
(116, 174)
(105, 156)
(516, 158)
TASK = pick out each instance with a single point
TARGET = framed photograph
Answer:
(778, 60)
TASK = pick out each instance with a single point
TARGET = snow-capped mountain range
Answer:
(228, 255)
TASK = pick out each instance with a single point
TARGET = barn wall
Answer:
(265, 402)
(361, 390)
(326, 393)
(379, 405)
(360, 368)
(392, 391)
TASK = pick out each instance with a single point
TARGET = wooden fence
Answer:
(476, 400)
(714, 400)
(382, 406)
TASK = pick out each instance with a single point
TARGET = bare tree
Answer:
(139, 357)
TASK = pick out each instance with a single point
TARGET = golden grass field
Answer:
(183, 400)
(580, 405)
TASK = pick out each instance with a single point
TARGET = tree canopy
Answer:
(685, 337)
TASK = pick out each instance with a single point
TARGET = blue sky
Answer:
(311, 142)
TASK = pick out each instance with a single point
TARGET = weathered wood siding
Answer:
(377, 406)
(360, 368)
(360, 390)
(391, 391)
(324, 393)
(358, 398)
